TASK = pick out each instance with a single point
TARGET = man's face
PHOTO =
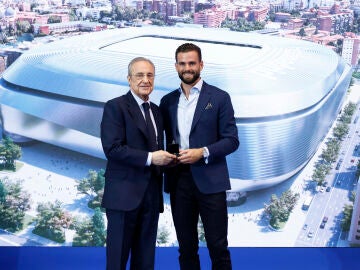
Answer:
(188, 67)
(141, 80)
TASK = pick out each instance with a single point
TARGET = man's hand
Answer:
(190, 156)
(162, 158)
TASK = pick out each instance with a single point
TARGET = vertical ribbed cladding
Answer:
(274, 148)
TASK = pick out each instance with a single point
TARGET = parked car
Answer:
(328, 189)
(325, 219)
(310, 234)
(322, 225)
(305, 227)
(339, 163)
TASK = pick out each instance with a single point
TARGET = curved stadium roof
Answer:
(258, 71)
(281, 89)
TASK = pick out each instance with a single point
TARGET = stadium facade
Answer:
(286, 93)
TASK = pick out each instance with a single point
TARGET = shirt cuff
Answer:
(206, 155)
(148, 161)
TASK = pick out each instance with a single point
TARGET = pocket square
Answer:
(208, 106)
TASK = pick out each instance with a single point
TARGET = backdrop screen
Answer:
(296, 117)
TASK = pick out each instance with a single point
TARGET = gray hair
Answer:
(138, 59)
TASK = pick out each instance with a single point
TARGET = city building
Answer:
(354, 232)
(280, 89)
(210, 17)
(7, 57)
(294, 24)
(56, 28)
(336, 21)
(350, 50)
(258, 13)
(282, 17)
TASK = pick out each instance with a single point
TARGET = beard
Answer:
(189, 80)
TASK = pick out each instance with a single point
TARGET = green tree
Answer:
(289, 199)
(54, 19)
(105, 14)
(346, 220)
(302, 32)
(340, 130)
(10, 30)
(242, 25)
(156, 16)
(72, 15)
(94, 182)
(93, 185)
(9, 152)
(90, 232)
(3, 37)
(358, 169)
(162, 235)
(23, 26)
(83, 236)
(99, 234)
(345, 118)
(13, 204)
(332, 150)
(350, 108)
(52, 221)
(279, 209)
(352, 196)
(273, 210)
(320, 172)
(157, 22)
(3, 193)
(33, 5)
(127, 14)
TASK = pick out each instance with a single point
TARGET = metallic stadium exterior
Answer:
(286, 93)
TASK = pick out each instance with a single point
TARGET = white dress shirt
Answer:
(185, 115)
(140, 102)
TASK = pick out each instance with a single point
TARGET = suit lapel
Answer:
(203, 100)
(156, 113)
(173, 116)
(136, 113)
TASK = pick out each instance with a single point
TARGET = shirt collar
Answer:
(196, 87)
(139, 100)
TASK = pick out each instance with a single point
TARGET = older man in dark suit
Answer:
(132, 139)
(200, 118)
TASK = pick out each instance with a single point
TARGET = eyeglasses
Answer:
(140, 76)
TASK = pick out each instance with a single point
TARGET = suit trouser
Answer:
(187, 202)
(133, 231)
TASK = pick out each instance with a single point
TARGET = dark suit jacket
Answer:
(213, 126)
(124, 140)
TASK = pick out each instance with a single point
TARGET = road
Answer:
(330, 204)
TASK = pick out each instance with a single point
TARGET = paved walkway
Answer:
(51, 174)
